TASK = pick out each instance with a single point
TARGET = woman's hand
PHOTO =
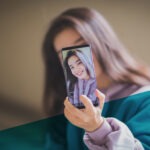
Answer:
(89, 118)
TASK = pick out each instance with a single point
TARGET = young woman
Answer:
(124, 122)
(80, 77)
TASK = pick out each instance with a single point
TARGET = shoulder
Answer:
(142, 89)
(132, 103)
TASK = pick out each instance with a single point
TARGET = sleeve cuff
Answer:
(98, 136)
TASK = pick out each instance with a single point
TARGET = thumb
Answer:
(101, 98)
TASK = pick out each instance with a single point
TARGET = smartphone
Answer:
(79, 73)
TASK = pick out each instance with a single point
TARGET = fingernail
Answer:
(81, 96)
(96, 92)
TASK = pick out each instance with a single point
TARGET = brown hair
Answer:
(111, 54)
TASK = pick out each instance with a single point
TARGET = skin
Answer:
(77, 68)
(89, 118)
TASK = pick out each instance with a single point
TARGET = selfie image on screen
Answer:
(80, 74)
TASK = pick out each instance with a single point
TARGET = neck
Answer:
(103, 81)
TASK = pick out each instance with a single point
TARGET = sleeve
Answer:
(113, 135)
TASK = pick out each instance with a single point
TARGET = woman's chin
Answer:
(80, 78)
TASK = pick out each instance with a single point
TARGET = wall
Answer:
(23, 25)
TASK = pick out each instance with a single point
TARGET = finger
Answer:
(101, 98)
(72, 109)
(86, 101)
(74, 120)
(70, 116)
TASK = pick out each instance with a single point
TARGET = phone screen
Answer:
(79, 74)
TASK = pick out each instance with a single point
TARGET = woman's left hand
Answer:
(88, 118)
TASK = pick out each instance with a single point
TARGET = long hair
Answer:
(112, 56)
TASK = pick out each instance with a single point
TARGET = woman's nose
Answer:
(77, 69)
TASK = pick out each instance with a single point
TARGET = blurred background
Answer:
(23, 24)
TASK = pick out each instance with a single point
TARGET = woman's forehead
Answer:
(67, 38)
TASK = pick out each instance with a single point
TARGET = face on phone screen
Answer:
(79, 74)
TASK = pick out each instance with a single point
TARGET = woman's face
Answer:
(77, 68)
(70, 37)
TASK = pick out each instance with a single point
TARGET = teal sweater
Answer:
(134, 111)
(57, 133)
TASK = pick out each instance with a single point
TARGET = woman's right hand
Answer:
(89, 118)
